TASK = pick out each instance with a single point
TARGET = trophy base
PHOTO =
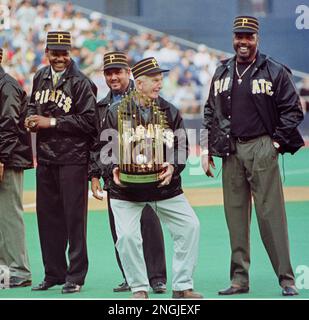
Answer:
(139, 179)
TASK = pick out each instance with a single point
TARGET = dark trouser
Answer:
(153, 244)
(62, 198)
(254, 171)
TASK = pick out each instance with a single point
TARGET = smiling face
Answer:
(150, 85)
(245, 46)
(117, 79)
(58, 59)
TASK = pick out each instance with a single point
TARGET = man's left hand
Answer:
(166, 175)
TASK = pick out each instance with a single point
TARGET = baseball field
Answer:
(212, 272)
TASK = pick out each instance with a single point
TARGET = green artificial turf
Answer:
(212, 272)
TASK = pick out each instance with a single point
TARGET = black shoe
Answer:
(123, 287)
(16, 282)
(159, 287)
(70, 287)
(289, 291)
(45, 285)
(233, 290)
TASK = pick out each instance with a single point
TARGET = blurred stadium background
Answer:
(189, 38)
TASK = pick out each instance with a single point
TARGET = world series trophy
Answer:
(142, 142)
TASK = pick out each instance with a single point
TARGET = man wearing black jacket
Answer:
(62, 112)
(15, 156)
(252, 115)
(117, 77)
(166, 198)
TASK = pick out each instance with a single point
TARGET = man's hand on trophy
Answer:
(166, 175)
(96, 189)
(116, 176)
(116, 173)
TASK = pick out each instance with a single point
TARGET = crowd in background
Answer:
(186, 85)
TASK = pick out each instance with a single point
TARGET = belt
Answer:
(247, 139)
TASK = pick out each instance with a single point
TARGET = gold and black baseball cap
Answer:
(246, 24)
(1, 54)
(115, 59)
(58, 40)
(146, 67)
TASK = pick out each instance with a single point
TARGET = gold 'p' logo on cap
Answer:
(115, 59)
(155, 63)
(60, 37)
(146, 66)
(244, 21)
(246, 24)
(111, 58)
(58, 40)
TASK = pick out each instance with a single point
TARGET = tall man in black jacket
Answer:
(62, 112)
(117, 77)
(252, 115)
(15, 156)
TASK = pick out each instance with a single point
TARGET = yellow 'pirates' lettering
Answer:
(255, 87)
(226, 84)
(221, 85)
(262, 86)
(42, 97)
(268, 86)
(58, 97)
(60, 104)
(60, 37)
(59, 92)
(67, 104)
(216, 86)
(46, 96)
(262, 83)
(52, 96)
(37, 96)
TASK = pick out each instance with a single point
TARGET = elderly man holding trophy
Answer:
(117, 76)
(149, 152)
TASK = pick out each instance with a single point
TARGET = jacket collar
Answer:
(109, 97)
(71, 71)
(163, 104)
(260, 60)
(2, 72)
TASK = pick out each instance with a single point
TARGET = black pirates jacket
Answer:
(179, 156)
(15, 141)
(72, 102)
(274, 96)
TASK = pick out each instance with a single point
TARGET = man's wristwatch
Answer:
(53, 122)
